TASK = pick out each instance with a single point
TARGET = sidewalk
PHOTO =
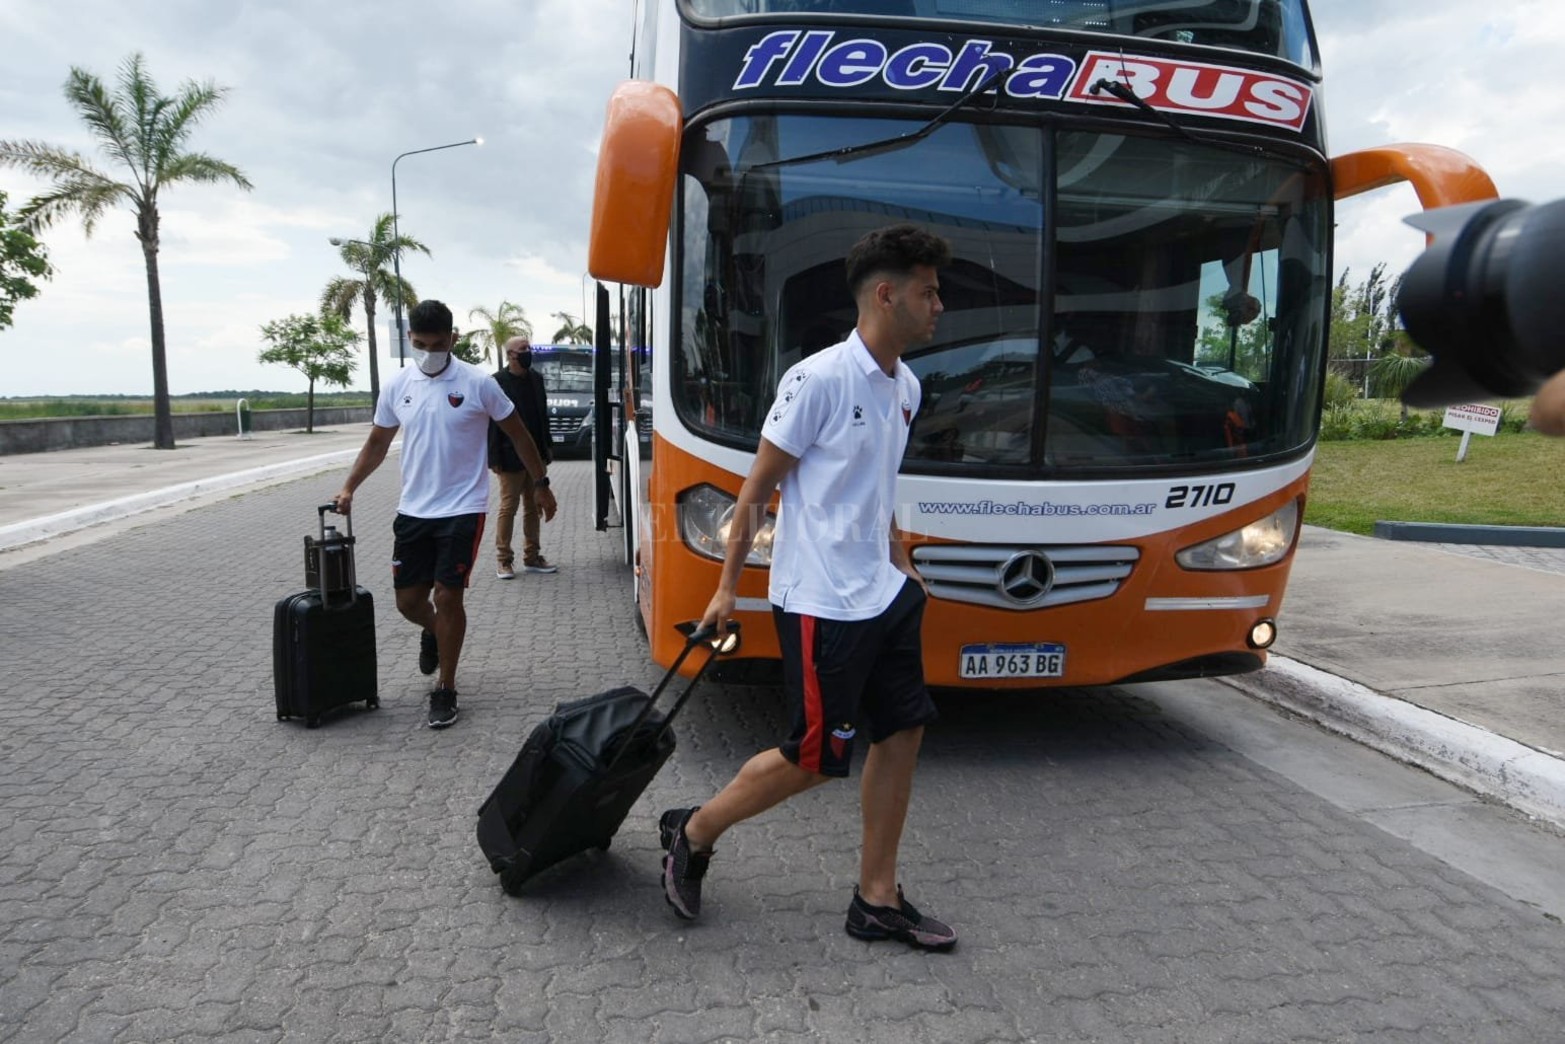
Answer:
(77, 493)
(1444, 656)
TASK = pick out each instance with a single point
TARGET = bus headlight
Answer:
(706, 514)
(1260, 543)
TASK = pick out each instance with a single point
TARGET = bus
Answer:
(1106, 477)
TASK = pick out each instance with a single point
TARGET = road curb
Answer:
(32, 530)
(1462, 533)
(1526, 779)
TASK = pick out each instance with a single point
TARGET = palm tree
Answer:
(504, 323)
(571, 332)
(146, 132)
(1394, 371)
(373, 259)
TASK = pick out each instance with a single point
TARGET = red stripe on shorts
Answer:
(478, 547)
(814, 713)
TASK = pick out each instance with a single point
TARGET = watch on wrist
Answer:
(542, 483)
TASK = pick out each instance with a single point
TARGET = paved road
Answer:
(1167, 863)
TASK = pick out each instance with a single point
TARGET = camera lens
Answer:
(1484, 301)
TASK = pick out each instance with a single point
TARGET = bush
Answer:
(1339, 390)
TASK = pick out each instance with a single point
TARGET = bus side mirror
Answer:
(1440, 176)
(634, 195)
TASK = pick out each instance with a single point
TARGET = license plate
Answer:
(1013, 660)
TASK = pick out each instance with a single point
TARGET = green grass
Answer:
(1506, 480)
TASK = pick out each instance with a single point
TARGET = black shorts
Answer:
(435, 550)
(841, 674)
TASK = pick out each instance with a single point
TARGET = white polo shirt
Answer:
(847, 422)
(445, 436)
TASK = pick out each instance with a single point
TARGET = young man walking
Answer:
(444, 407)
(845, 597)
(523, 385)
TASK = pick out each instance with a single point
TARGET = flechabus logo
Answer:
(797, 58)
(792, 57)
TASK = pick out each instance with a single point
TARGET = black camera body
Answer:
(1487, 301)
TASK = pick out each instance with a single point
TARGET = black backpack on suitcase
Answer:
(579, 772)
(323, 639)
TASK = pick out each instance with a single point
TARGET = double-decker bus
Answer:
(1106, 477)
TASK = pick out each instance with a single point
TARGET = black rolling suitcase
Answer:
(579, 772)
(323, 638)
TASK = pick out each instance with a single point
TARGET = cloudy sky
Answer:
(323, 96)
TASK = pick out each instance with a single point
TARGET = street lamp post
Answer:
(396, 252)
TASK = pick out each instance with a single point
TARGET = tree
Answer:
(318, 346)
(1243, 348)
(373, 259)
(464, 348)
(571, 332)
(146, 132)
(1395, 370)
(504, 323)
(22, 260)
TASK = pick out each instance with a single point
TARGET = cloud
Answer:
(1445, 73)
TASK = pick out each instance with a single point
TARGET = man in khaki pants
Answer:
(524, 386)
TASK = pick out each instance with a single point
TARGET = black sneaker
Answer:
(442, 708)
(428, 653)
(683, 869)
(902, 922)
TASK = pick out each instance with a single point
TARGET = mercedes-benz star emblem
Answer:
(1026, 578)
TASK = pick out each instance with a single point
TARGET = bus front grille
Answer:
(1023, 577)
(564, 427)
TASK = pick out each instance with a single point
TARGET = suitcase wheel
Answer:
(310, 723)
(373, 703)
(281, 716)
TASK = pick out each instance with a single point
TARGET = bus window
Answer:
(1127, 362)
(1186, 290)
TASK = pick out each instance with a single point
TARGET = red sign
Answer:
(1196, 89)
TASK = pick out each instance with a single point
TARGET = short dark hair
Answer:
(894, 250)
(430, 317)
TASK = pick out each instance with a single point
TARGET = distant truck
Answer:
(566, 370)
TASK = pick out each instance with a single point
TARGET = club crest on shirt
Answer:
(455, 398)
(907, 413)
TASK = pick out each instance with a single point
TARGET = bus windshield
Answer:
(1180, 320)
(564, 370)
(1276, 28)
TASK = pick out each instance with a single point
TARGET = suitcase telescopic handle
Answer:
(353, 569)
(332, 507)
(695, 636)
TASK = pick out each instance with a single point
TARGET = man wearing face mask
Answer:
(523, 386)
(444, 407)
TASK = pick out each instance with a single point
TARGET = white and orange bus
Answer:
(1106, 478)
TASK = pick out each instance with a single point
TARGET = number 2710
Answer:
(1199, 496)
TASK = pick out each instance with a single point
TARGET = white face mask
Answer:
(431, 362)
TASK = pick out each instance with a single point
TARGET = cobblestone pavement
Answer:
(1547, 559)
(175, 864)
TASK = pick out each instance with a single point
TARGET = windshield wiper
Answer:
(1124, 93)
(901, 141)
